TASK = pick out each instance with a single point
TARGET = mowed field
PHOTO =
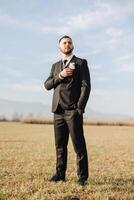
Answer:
(27, 160)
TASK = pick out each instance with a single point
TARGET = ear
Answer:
(59, 46)
(72, 47)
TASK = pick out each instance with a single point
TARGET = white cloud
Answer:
(122, 101)
(27, 88)
(102, 14)
(8, 20)
(94, 51)
(61, 29)
(99, 92)
(26, 92)
(96, 67)
(9, 71)
(128, 56)
(114, 32)
(128, 67)
(126, 63)
(15, 22)
(97, 77)
(116, 9)
(96, 27)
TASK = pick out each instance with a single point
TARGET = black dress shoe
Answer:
(57, 177)
(82, 181)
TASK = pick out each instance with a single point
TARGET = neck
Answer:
(66, 55)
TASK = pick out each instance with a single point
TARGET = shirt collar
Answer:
(68, 58)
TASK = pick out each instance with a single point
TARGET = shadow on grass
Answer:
(113, 183)
(71, 198)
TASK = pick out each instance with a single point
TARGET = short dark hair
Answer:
(65, 36)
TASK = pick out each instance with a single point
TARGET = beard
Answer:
(67, 52)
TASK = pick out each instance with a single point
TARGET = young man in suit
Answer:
(70, 79)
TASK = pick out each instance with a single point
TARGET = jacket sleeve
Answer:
(85, 85)
(53, 80)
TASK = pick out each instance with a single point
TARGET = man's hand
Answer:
(66, 72)
(80, 111)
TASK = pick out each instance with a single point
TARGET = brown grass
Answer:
(27, 159)
(41, 120)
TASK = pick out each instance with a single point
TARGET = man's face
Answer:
(66, 46)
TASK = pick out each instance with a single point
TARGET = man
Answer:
(70, 80)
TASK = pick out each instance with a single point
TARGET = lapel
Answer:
(74, 59)
(59, 64)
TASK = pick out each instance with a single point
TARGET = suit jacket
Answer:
(71, 92)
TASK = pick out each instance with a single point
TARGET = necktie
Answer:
(64, 63)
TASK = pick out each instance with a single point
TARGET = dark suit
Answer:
(69, 94)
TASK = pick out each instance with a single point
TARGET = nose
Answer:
(68, 44)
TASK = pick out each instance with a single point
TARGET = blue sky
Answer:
(102, 31)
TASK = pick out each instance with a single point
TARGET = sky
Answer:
(102, 32)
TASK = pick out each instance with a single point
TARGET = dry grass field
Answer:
(27, 160)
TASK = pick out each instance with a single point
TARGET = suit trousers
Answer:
(65, 122)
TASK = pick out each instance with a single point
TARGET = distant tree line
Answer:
(31, 119)
(16, 117)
